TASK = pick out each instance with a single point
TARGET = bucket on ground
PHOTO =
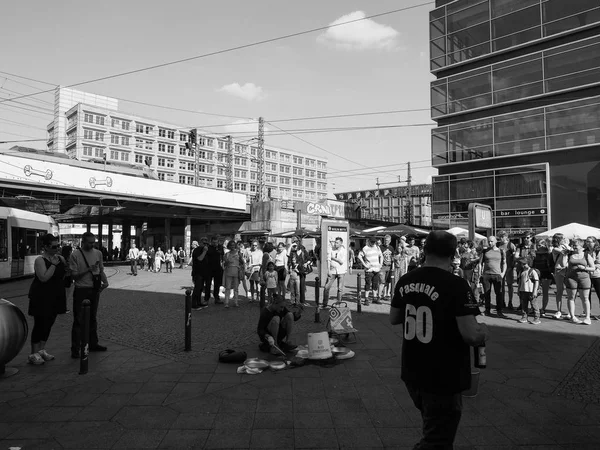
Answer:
(318, 346)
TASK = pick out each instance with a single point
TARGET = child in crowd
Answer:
(529, 281)
(271, 280)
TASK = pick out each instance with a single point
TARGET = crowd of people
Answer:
(497, 264)
(264, 270)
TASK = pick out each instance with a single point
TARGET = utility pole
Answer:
(409, 209)
(229, 170)
(192, 145)
(261, 194)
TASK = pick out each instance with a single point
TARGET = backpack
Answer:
(533, 269)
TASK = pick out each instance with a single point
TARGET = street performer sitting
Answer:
(275, 325)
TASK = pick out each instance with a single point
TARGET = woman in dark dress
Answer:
(46, 297)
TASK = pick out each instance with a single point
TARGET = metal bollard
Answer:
(85, 338)
(188, 320)
(358, 293)
(317, 312)
(392, 287)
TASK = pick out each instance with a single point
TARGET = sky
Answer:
(372, 65)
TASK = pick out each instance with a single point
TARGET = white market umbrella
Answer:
(571, 231)
(461, 232)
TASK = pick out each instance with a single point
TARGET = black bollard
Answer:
(317, 312)
(358, 294)
(85, 338)
(188, 320)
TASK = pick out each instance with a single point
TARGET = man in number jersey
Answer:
(437, 311)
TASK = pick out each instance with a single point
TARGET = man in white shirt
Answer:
(134, 254)
(371, 258)
(337, 260)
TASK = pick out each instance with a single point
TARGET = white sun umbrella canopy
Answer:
(461, 232)
(572, 231)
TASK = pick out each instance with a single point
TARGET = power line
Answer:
(231, 49)
(337, 129)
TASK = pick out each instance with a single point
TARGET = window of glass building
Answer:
(558, 19)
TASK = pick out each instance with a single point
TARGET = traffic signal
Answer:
(193, 136)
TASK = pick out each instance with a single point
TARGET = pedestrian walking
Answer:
(437, 311)
(133, 256)
(169, 261)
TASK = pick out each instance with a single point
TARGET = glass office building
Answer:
(517, 103)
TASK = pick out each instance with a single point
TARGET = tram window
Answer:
(3, 240)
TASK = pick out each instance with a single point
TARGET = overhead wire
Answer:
(232, 49)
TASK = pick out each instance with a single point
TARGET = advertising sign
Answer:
(330, 230)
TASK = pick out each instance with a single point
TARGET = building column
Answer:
(110, 240)
(88, 227)
(125, 239)
(167, 233)
(187, 235)
(99, 237)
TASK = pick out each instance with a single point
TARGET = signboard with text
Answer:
(480, 218)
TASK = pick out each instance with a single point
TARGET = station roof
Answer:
(75, 191)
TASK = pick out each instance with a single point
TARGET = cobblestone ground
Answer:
(539, 390)
(147, 313)
(583, 382)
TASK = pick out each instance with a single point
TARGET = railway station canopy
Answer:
(75, 191)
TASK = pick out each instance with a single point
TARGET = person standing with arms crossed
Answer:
(437, 311)
(87, 269)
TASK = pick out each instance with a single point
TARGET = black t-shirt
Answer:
(434, 356)
(197, 265)
(388, 254)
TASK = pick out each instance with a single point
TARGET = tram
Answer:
(20, 233)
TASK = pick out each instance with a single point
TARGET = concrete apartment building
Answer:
(517, 104)
(393, 204)
(91, 127)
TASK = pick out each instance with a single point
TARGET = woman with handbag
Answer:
(47, 297)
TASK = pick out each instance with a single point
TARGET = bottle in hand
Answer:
(479, 357)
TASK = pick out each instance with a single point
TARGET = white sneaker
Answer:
(35, 359)
(557, 315)
(45, 355)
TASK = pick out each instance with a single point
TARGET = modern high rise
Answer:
(90, 127)
(517, 105)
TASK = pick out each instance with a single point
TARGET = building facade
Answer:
(89, 127)
(393, 205)
(517, 104)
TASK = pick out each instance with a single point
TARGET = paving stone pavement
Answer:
(538, 391)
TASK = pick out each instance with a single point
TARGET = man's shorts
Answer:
(385, 274)
(371, 281)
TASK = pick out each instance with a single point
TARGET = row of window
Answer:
(561, 68)
(466, 30)
(168, 148)
(518, 197)
(566, 125)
